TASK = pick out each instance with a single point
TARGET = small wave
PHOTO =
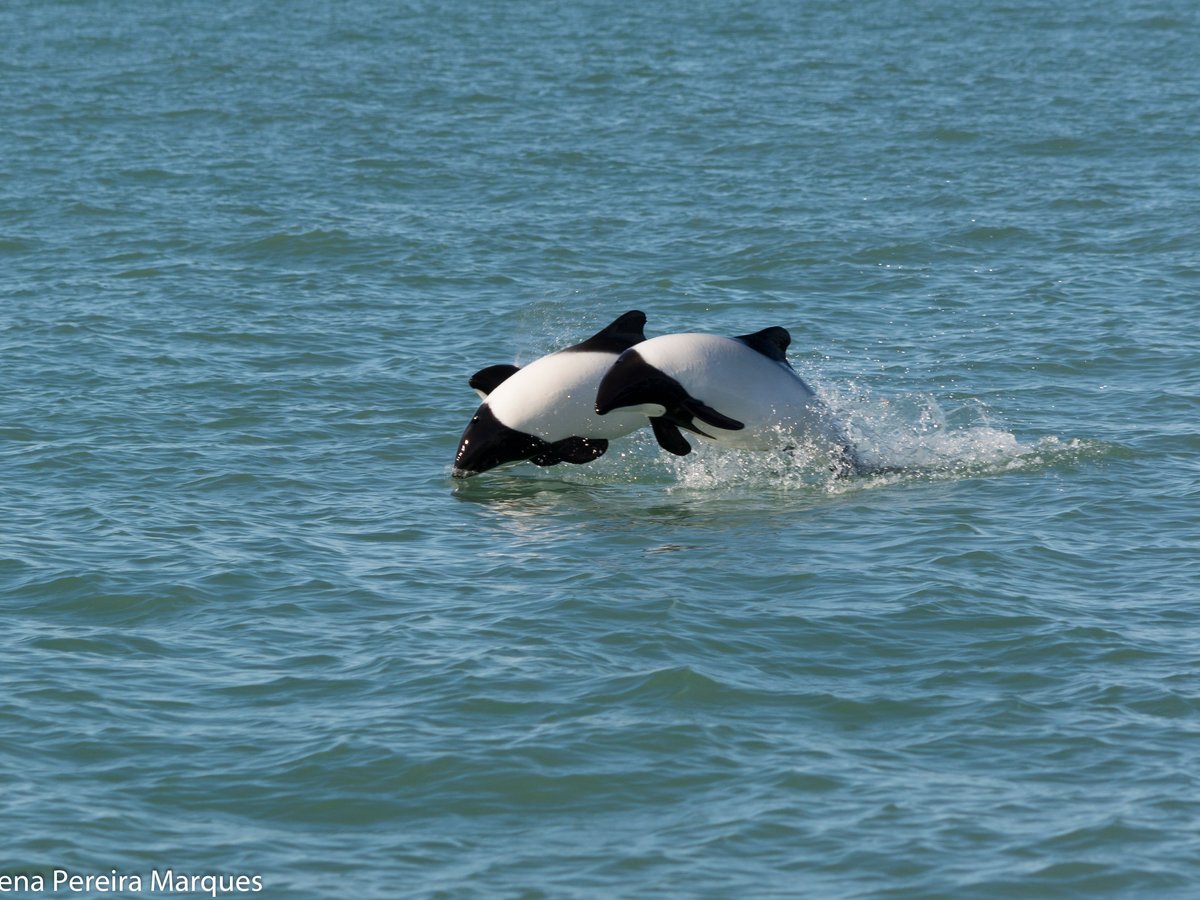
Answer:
(672, 686)
(314, 243)
(1161, 22)
(953, 135)
(16, 245)
(1058, 146)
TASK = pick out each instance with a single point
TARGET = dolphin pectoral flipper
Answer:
(709, 415)
(488, 379)
(577, 450)
(669, 437)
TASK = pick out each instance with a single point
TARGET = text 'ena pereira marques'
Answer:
(159, 881)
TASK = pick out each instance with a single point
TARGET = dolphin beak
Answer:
(487, 443)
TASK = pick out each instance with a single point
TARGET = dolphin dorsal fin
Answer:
(770, 342)
(487, 380)
(616, 337)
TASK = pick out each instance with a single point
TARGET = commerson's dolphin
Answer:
(738, 392)
(545, 412)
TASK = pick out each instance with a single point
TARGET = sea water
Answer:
(255, 633)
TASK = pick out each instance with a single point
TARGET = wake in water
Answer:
(914, 432)
(895, 439)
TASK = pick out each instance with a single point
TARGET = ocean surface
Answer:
(250, 254)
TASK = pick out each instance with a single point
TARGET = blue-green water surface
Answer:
(250, 254)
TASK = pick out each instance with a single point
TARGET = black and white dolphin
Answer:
(545, 412)
(738, 392)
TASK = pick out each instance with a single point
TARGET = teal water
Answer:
(249, 255)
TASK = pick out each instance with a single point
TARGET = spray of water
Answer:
(901, 438)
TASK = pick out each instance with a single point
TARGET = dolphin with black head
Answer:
(545, 412)
(739, 392)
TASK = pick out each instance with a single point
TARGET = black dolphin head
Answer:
(487, 442)
(634, 382)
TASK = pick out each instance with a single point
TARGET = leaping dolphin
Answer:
(545, 412)
(738, 392)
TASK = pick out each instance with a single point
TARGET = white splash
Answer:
(897, 438)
